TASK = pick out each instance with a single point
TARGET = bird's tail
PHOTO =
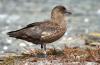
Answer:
(11, 34)
(14, 34)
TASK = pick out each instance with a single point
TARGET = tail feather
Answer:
(17, 34)
(12, 34)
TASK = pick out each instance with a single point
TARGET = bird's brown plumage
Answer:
(46, 31)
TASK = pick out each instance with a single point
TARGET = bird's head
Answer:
(60, 11)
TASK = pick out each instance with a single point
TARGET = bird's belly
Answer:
(53, 37)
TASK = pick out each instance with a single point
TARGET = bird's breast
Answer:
(49, 37)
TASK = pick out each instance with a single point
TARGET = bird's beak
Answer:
(68, 13)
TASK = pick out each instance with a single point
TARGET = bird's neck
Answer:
(59, 21)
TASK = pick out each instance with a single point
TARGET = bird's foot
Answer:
(32, 52)
(45, 54)
(38, 53)
(42, 54)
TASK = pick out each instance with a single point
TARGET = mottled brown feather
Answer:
(46, 31)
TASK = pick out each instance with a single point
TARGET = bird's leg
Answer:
(43, 47)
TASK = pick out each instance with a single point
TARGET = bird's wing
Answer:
(39, 30)
(31, 31)
(48, 32)
(33, 24)
(36, 23)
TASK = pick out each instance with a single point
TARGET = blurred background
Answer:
(15, 14)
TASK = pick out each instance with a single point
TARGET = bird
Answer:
(46, 31)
